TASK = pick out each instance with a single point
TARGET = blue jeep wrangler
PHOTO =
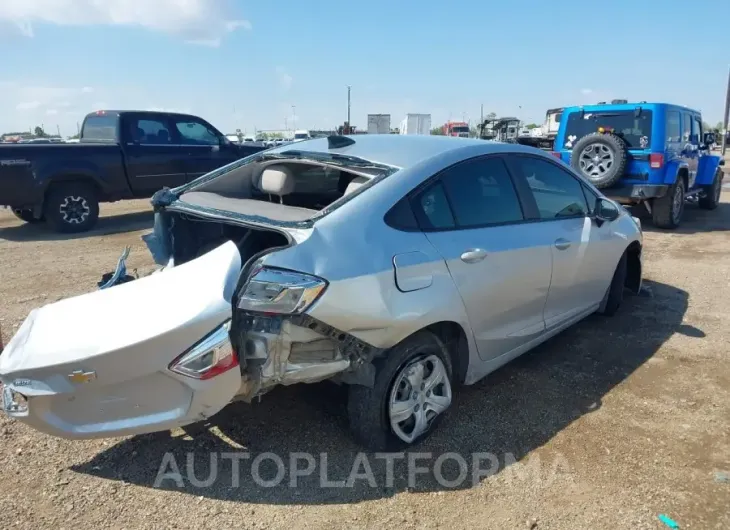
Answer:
(650, 153)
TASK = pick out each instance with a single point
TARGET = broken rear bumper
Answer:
(636, 193)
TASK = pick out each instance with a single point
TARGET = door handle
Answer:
(562, 244)
(473, 255)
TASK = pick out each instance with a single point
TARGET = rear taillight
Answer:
(556, 154)
(656, 160)
(210, 357)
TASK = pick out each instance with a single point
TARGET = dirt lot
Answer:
(611, 423)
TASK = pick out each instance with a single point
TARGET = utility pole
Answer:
(293, 116)
(348, 109)
(481, 114)
(58, 130)
(727, 115)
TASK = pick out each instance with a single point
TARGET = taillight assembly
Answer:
(208, 358)
(270, 290)
(556, 154)
(656, 160)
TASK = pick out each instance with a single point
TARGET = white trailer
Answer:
(378, 123)
(416, 124)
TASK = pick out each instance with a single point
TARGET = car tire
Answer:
(711, 198)
(72, 207)
(27, 216)
(369, 409)
(607, 145)
(667, 211)
(615, 294)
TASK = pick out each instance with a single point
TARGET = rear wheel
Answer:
(412, 392)
(667, 211)
(27, 216)
(72, 207)
(711, 198)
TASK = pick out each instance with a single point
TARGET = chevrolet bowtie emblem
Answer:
(79, 376)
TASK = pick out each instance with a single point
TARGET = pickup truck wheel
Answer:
(711, 198)
(601, 158)
(27, 216)
(412, 391)
(667, 211)
(72, 208)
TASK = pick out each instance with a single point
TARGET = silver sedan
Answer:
(400, 266)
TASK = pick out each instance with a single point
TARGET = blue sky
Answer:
(245, 64)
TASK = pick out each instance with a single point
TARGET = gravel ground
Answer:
(606, 426)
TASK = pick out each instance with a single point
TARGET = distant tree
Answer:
(491, 115)
(532, 125)
(719, 126)
(39, 132)
(437, 131)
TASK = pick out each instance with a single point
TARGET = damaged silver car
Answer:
(400, 266)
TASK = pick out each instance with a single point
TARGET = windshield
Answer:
(460, 129)
(299, 136)
(634, 130)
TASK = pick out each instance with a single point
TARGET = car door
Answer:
(153, 158)
(584, 253)
(473, 216)
(206, 149)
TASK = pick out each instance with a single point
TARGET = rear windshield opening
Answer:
(635, 130)
(100, 127)
(315, 187)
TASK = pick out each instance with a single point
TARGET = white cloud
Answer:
(199, 21)
(28, 105)
(285, 80)
(586, 91)
(51, 112)
(87, 90)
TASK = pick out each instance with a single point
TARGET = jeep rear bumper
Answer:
(636, 193)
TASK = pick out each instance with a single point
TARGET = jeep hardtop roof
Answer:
(625, 106)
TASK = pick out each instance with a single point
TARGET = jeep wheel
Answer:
(412, 392)
(601, 158)
(27, 216)
(711, 198)
(667, 211)
(72, 207)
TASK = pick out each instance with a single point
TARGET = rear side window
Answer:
(149, 131)
(673, 129)
(100, 127)
(401, 216)
(472, 194)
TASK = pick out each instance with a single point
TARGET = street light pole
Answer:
(293, 116)
(349, 125)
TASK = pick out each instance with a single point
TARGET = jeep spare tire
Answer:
(601, 158)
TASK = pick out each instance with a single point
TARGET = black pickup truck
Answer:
(120, 155)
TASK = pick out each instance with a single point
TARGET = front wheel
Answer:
(72, 207)
(667, 211)
(711, 198)
(412, 391)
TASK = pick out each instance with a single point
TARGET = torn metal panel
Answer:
(284, 350)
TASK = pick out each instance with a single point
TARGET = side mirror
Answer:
(606, 210)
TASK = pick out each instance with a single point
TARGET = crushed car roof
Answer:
(393, 149)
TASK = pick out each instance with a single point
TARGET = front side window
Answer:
(557, 193)
(195, 133)
(686, 127)
(696, 135)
